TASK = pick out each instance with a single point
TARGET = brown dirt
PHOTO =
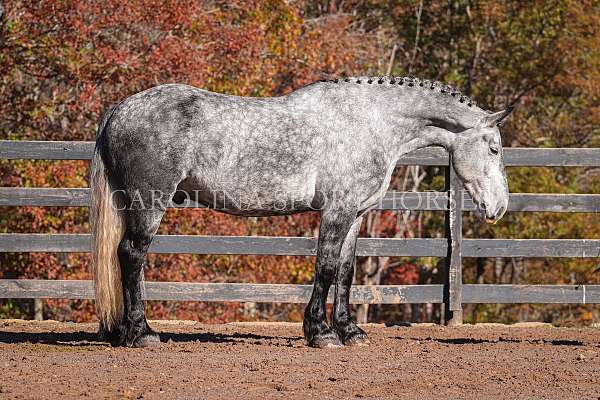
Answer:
(258, 361)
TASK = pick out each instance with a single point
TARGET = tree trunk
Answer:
(38, 309)
(371, 275)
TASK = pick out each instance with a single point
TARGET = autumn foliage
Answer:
(62, 63)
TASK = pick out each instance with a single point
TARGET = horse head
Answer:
(477, 160)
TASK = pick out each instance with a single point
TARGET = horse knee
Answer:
(327, 267)
(327, 275)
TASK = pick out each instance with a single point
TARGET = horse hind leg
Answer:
(141, 226)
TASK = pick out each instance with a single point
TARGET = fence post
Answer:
(453, 314)
(38, 309)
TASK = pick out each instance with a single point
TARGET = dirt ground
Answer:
(269, 360)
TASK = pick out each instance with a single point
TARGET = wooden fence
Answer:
(453, 293)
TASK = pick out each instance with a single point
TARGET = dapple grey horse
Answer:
(330, 146)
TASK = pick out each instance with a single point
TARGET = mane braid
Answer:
(409, 81)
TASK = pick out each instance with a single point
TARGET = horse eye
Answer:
(494, 150)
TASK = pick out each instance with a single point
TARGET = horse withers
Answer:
(330, 146)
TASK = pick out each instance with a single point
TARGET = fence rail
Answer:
(424, 201)
(525, 157)
(453, 202)
(307, 246)
(288, 293)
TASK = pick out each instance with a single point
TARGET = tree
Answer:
(545, 56)
(63, 63)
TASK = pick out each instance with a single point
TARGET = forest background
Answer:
(62, 63)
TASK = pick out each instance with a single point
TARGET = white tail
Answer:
(107, 231)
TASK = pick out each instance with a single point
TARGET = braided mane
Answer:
(409, 81)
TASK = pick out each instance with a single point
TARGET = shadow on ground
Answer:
(82, 338)
(459, 341)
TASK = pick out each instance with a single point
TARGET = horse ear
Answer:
(496, 119)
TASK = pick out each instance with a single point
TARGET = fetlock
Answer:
(320, 335)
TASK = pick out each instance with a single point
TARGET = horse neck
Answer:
(396, 115)
(410, 111)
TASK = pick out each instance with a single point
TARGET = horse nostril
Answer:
(501, 212)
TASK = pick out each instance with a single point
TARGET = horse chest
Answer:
(378, 189)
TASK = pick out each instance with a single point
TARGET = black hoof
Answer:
(110, 336)
(147, 340)
(357, 340)
(320, 335)
(352, 335)
(132, 336)
(328, 339)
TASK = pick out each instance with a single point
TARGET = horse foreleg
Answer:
(334, 228)
(347, 330)
(141, 227)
